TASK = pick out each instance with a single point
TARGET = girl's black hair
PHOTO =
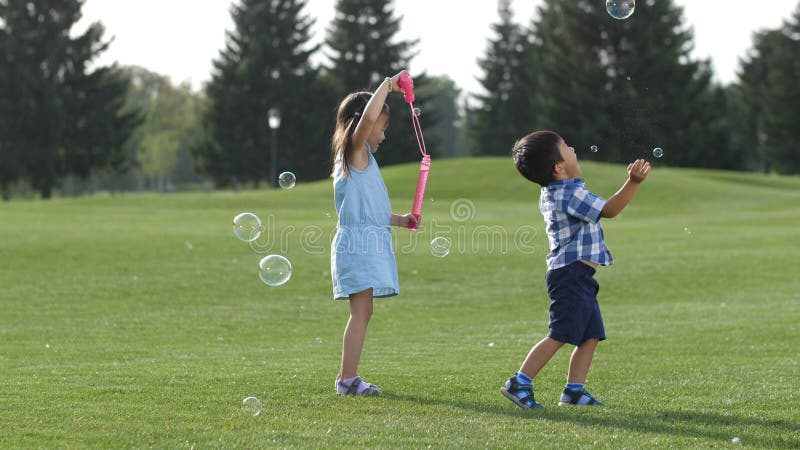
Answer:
(347, 117)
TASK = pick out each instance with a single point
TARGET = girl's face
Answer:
(378, 132)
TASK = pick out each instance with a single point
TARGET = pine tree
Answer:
(626, 85)
(769, 84)
(265, 64)
(364, 50)
(504, 112)
(361, 39)
(10, 150)
(442, 95)
(58, 117)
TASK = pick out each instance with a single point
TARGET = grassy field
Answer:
(140, 321)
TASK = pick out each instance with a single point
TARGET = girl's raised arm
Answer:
(372, 111)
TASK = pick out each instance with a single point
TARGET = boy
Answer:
(572, 215)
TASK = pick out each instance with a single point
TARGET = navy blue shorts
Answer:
(574, 311)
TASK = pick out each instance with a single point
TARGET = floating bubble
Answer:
(287, 180)
(658, 152)
(274, 270)
(251, 406)
(687, 230)
(620, 9)
(440, 247)
(417, 112)
(593, 149)
(247, 226)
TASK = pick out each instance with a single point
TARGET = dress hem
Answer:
(390, 292)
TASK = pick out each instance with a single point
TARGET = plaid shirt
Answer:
(572, 215)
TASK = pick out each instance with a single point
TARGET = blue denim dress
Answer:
(362, 255)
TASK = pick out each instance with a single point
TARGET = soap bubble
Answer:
(417, 112)
(251, 406)
(247, 226)
(274, 270)
(287, 180)
(620, 9)
(593, 149)
(658, 152)
(440, 247)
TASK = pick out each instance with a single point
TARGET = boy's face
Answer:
(378, 132)
(569, 167)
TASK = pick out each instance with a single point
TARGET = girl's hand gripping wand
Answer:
(407, 85)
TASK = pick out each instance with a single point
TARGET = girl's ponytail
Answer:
(347, 118)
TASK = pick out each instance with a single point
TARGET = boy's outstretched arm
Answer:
(637, 172)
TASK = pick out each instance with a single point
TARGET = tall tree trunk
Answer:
(46, 190)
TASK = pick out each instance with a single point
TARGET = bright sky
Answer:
(180, 38)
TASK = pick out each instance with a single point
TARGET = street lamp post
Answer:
(274, 123)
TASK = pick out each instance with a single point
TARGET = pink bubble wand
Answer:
(407, 85)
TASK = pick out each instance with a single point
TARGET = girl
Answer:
(362, 257)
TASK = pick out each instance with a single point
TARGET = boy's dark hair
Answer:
(536, 155)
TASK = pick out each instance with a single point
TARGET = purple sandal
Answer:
(352, 389)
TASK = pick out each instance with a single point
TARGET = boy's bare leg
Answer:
(356, 332)
(580, 361)
(539, 355)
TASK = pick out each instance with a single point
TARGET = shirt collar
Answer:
(565, 183)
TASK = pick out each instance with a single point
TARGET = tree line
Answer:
(625, 86)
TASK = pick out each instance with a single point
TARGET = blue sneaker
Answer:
(578, 398)
(520, 393)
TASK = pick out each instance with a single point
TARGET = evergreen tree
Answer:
(737, 154)
(265, 64)
(504, 112)
(364, 51)
(769, 85)
(10, 150)
(58, 117)
(626, 85)
(443, 97)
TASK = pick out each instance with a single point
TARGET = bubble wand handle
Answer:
(416, 208)
(407, 85)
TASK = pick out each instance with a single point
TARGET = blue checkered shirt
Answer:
(572, 215)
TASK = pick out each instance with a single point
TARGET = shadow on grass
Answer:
(770, 433)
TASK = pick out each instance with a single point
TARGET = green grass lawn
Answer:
(140, 321)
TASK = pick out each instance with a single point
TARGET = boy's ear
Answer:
(558, 169)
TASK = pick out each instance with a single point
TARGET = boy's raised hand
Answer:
(638, 170)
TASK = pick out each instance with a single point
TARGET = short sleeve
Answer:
(585, 206)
